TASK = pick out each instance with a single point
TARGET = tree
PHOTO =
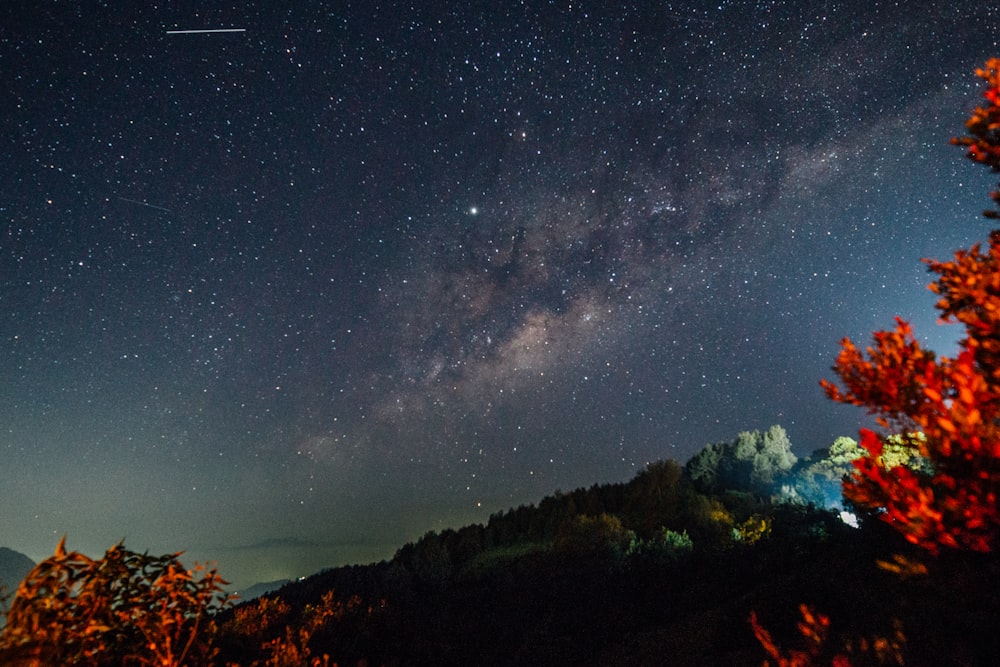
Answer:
(819, 479)
(773, 457)
(703, 468)
(752, 462)
(814, 629)
(125, 608)
(667, 546)
(945, 411)
(983, 140)
(654, 497)
(601, 536)
(269, 630)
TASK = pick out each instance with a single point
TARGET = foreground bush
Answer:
(123, 609)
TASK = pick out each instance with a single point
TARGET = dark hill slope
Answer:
(13, 567)
(651, 572)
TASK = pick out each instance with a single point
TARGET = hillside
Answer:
(659, 570)
(13, 567)
(707, 563)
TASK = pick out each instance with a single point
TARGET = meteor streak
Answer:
(142, 203)
(201, 32)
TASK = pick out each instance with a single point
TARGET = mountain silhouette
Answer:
(13, 568)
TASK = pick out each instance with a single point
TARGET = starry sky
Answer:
(289, 296)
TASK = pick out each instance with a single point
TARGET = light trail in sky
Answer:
(201, 32)
(148, 205)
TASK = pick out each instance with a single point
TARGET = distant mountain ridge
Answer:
(13, 568)
(261, 588)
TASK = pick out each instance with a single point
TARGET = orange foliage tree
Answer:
(814, 629)
(256, 628)
(123, 609)
(951, 501)
(943, 412)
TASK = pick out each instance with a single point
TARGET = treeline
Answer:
(710, 499)
(586, 573)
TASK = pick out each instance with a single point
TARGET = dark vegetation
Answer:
(723, 561)
(664, 569)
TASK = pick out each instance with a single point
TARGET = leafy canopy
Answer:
(945, 411)
(124, 608)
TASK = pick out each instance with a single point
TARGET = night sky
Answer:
(289, 297)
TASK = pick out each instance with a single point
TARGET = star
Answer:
(532, 200)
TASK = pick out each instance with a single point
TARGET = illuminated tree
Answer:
(752, 462)
(945, 411)
(125, 608)
(819, 478)
(983, 140)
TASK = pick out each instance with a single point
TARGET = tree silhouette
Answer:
(946, 410)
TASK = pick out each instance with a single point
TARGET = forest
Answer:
(875, 551)
(664, 569)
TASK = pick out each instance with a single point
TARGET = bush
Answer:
(125, 608)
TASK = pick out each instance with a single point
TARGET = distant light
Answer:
(473, 210)
(849, 518)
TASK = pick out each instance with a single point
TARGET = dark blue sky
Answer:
(290, 297)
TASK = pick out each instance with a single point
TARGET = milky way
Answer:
(291, 296)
